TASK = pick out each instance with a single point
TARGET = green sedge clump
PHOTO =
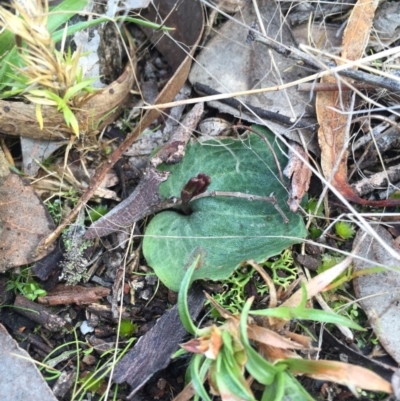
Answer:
(344, 230)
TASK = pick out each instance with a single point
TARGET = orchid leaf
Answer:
(225, 230)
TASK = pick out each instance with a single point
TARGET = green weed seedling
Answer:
(55, 209)
(96, 212)
(23, 283)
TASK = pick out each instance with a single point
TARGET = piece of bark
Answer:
(50, 263)
(102, 311)
(143, 201)
(100, 345)
(33, 339)
(154, 350)
(119, 275)
(173, 151)
(377, 181)
(64, 383)
(39, 314)
(66, 294)
(300, 175)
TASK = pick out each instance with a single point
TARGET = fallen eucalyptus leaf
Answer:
(37, 150)
(24, 220)
(333, 133)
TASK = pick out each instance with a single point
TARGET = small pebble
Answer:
(85, 328)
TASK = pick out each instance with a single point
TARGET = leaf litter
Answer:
(251, 65)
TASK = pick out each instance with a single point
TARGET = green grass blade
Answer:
(230, 379)
(263, 371)
(63, 12)
(72, 29)
(7, 42)
(71, 120)
(317, 315)
(294, 391)
(145, 23)
(198, 371)
(276, 390)
(11, 57)
(183, 307)
(71, 92)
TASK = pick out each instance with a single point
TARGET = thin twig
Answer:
(265, 114)
(342, 69)
(270, 199)
(309, 61)
(327, 87)
(175, 202)
(265, 139)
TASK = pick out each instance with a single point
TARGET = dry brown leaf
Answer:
(333, 134)
(24, 220)
(266, 336)
(318, 283)
(345, 374)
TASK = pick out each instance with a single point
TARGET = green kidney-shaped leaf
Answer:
(224, 230)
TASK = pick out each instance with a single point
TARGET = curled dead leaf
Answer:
(300, 175)
(18, 118)
(343, 373)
